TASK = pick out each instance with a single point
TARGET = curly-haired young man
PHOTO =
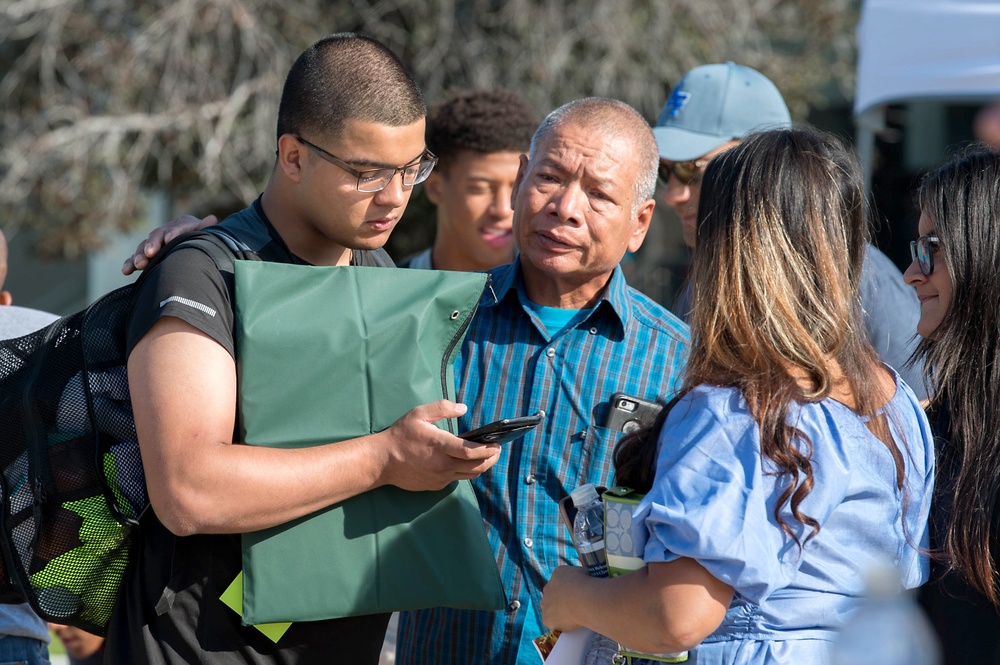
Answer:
(477, 136)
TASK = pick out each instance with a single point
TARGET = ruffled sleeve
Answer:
(710, 497)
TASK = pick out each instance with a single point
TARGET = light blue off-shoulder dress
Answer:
(713, 501)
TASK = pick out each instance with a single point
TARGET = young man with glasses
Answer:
(350, 148)
(709, 111)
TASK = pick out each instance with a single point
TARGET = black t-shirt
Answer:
(170, 609)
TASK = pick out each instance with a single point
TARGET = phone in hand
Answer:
(504, 430)
(628, 414)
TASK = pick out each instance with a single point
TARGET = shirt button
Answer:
(550, 352)
(528, 542)
(529, 479)
(593, 331)
(513, 607)
(583, 434)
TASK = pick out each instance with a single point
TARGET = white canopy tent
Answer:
(923, 49)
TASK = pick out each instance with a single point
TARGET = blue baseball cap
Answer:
(714, 104)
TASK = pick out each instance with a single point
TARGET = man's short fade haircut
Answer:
(481, 121)
(347, 76)
(616, 118)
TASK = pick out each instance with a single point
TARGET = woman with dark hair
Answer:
(795, 461)
(956, 272)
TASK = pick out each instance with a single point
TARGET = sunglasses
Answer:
(922, 251)
(687, 173)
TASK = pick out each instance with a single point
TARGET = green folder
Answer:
(326, 354)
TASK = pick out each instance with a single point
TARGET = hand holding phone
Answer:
(504, 430)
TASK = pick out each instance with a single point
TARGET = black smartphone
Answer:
(504, 430)
(628, 413)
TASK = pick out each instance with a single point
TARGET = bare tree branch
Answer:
(102, 98)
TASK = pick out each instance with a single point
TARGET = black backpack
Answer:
(72, 481)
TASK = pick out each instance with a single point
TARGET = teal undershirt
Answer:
(557, 320)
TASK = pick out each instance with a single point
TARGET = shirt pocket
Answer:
(597, 462)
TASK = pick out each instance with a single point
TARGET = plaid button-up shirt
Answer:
(510, 366)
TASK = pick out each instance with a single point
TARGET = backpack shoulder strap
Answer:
(220, 245)
(235, 245)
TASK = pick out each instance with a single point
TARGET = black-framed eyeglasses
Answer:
(922, 251)
(688, 173)
(375, 180)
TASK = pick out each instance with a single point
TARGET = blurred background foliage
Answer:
(104, 99)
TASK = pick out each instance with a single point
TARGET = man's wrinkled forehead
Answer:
(571, 145)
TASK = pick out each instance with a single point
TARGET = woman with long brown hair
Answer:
(795, 460)
(956, 272)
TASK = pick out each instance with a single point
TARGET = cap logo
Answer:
(676, 102)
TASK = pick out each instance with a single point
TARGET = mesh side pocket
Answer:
(72, 486)
(67, 522)
(110, 409)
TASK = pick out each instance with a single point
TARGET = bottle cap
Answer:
(584, 494)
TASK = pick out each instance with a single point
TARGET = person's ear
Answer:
(6, 298)
(522, 170)
(432, 187)
(290, 155)
(641, 225)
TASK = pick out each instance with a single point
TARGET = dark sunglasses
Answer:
(922, 251)
(687, 173)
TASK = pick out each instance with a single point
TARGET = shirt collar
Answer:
(508, 282)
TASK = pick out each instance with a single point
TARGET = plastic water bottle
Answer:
(890, 628)
(588, 536)
(588, 529)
